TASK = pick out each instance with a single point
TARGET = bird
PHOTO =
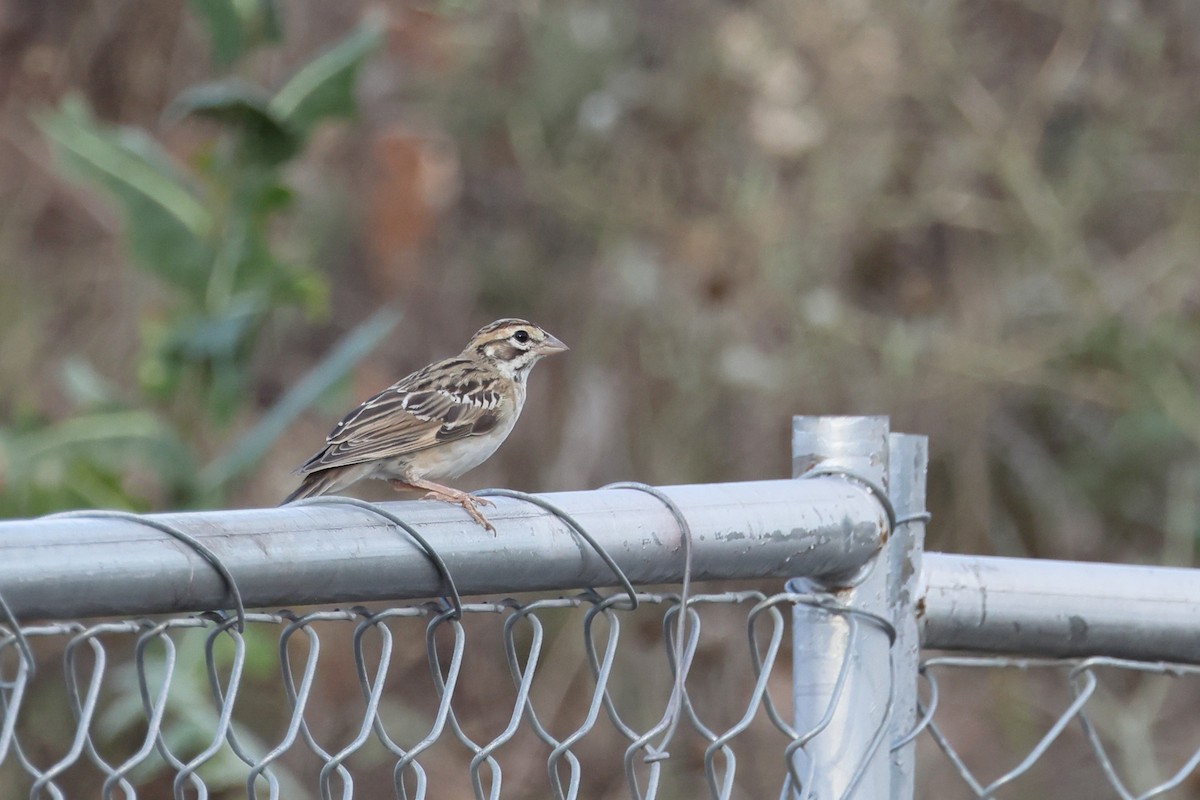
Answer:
(437, 423)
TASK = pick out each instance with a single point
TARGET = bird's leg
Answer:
(447, 494)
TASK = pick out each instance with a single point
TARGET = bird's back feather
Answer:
(314, 484)
(415, 413)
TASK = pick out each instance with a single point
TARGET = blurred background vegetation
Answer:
(221, 221)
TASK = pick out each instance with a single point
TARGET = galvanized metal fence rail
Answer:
(626, 692)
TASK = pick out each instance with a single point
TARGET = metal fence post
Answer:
(850, 754)
(908, 462)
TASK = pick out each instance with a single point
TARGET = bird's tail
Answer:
(316, 484)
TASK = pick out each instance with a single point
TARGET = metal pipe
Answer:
(908, 462)
(300, 555)
(1060, 608)
(850, 753)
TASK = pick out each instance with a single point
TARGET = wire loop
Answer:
(183, 536)
(438, 562)
(574, 524)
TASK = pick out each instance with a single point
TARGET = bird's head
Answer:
(513, 345)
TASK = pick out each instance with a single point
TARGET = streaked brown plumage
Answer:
(436, 423)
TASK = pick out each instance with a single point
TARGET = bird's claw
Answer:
(470, 503)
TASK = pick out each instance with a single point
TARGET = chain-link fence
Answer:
(1065, 728)
(186, 705)
(816, 691)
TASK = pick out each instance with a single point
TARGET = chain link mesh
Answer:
(1062, 728)
(550, 697)
(342, 703)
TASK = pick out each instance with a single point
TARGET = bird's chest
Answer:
(455, 458)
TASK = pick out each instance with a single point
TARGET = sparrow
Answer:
(437, 423)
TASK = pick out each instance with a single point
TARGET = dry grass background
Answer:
(980, 218)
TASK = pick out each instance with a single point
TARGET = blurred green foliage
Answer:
(206, 229)
(237, 26)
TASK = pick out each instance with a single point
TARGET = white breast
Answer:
(455, 458)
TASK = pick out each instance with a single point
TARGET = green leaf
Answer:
(325, 86)
(303, 287)
(243, 107)
(235, 26)
(103, 429)
(85, 387)
(221, 336)
(84, 461)
(122, 160)
(225, 33)
(334, 367)
(167, 223)
(269, 21)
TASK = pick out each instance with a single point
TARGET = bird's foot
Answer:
(469, 502)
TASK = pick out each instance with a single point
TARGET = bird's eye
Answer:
(521, 336)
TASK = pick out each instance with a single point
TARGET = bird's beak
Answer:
(551, 346)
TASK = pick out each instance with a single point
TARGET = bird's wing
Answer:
(446, 401)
